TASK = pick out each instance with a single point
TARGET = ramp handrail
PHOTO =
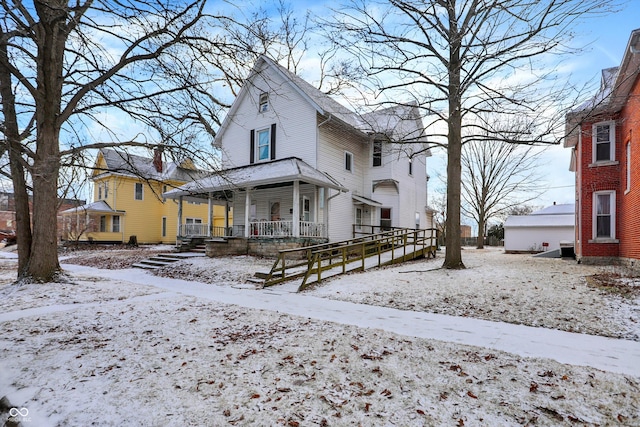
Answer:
(303, 262)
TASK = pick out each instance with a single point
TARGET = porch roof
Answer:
(365, 200)
(257, 175)
(96, 207)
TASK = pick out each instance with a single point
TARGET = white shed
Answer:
(541, 231)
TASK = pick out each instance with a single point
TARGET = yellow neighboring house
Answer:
(128, 202)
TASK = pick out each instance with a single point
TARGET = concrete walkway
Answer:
(608, 354)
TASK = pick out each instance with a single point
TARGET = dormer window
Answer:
(263, 104)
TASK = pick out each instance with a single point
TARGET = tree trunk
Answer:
(453, 254)
(13, 147)
(43, 263)
(480, 242)
(52, 35)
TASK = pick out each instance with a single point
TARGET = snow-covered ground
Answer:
(100, 350)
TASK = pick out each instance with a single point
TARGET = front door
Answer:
(275, 211)
(385, 219)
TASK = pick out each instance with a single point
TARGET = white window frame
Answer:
(115, 224)
(628, 152)
(612, 214)
(106, 189)
(135, 191)
(376, 154)
(358, 218)
(266, 131)
(102, 226)
(100, 191)
(348, 161)
(263, 102)
(305, 208)
(612, 141)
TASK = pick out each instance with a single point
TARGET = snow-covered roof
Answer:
(401, 122)
(551, 216)
(562, 209)
(96, 207)
(124, 163)
(259, 174)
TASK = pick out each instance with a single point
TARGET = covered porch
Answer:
(93, 222)
(273, 200)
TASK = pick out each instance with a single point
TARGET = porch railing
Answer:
(193, 229)
(285, 229)
(269, 229)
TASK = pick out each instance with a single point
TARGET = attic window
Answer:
(263, 104)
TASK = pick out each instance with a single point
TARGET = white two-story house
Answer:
(297, 164)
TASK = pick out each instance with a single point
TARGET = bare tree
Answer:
(498, 175)
(65, 67)
(461, 59)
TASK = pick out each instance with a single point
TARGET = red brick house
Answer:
(604, 136)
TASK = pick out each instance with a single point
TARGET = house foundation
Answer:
(267, 248)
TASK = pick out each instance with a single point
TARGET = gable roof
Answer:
(256, 175)
(390, 120)
(615, 87)
(122, 163)
(551, 216)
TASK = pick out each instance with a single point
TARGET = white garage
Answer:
(540, 231)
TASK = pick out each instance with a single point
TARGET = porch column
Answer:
(179, 216)
(296, 209)
(325, 213)
(226, 217)
(210, 219)
(247, 208)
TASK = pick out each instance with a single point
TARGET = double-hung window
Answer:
(377, 153)
(263, 144)
(115, 224)
(604, 209)
(348, 161)
(138, 191)
(604, 136)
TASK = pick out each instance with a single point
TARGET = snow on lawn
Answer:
(127, 354)
(521, 289)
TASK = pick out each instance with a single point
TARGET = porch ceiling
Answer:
(274, 173)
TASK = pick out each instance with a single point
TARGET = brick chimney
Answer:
(157, 158)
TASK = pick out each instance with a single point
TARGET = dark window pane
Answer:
(603, 226)
(603, 151)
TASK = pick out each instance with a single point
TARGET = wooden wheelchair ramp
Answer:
(312, 264)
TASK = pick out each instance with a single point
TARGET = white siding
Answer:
(263, 199)
(531, 238)
(295, 122)
(333, 142)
